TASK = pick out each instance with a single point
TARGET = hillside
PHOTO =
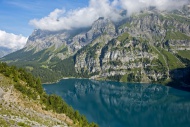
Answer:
(24, 103)
(145, 47)
(4, 51)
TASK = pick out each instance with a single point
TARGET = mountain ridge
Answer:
(5, 51)
(145, 47)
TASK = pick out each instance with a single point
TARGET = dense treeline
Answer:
(32, 88)
(37, 70)
(65, 67)
(184, 60)
(52, 72)
(46, 75)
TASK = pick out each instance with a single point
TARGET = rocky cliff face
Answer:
(40, 40)
(65, 43)
(143, 51)
(145, 47)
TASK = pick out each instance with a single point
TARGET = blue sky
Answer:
(16, 14)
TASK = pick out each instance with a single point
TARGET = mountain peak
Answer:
(101, 18)
(41, 39)
(101, 26)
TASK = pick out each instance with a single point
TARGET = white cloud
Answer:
(12, 41)
(82, 17)
(133, 6)
(60, 19)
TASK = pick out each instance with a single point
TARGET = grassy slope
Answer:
(24, 97)
(19, 110)
(176, 36)
(184, 54)
(172, 60)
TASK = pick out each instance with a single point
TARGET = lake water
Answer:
(114, 104)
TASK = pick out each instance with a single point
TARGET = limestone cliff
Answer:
(145, 47)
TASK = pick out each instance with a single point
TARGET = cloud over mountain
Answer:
(61, 19)
(12, 41)
(136, 5)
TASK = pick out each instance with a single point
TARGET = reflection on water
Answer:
(125, 105)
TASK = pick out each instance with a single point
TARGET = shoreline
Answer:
(63, 79)
(168, 84)
(47, 83)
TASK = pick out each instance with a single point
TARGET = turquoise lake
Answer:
(114, 104)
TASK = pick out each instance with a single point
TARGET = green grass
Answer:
(124, 78)
(161, 17)
(4, 81)
(44, 66)
(173, 62)
(125, 25)
(51, 49)
(22, 124)
(160, 57)
(127, 78)
(3, 123)
(143, 15)
(176, 36)
(184, 54)
(180, 18)
(123, 37)
(29, 68)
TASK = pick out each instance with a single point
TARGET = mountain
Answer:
(47, 46)
(23, 102)
(145, 47)
(5, 51)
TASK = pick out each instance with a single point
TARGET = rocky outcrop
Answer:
(40, 40)
(159, 27)
(99, 27)
(119, 58)
(1, 92)
(62, 44)
(142, 48)
(136, 53)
